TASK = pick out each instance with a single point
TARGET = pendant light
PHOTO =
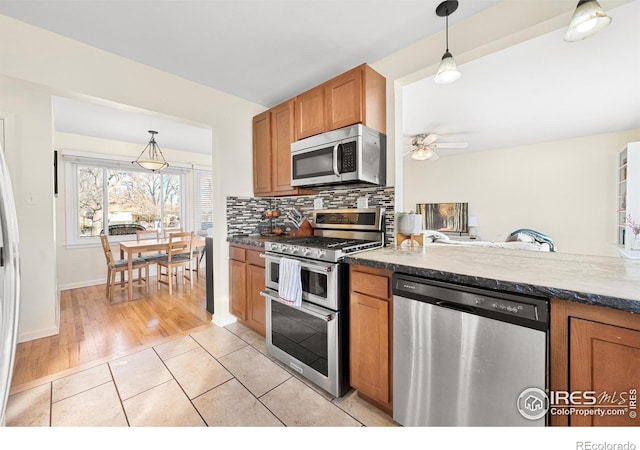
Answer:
(447, 70)
(156, 160)
(587, 20)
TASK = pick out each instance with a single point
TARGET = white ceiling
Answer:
(267, 51)
(541, 90)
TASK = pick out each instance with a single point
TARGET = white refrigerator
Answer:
(9, 283)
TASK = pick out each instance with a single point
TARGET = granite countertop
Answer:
(605, 281)
(255, 240)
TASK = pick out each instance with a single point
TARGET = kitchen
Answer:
(228, 189)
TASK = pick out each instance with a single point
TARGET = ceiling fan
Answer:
(423, 146)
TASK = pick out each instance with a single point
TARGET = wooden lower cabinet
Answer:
(371, 335)
(596, 350)
(246, 281)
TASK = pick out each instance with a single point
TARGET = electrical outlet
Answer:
(317, 203)
(363, 202)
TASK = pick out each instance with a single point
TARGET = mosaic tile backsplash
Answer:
(245, 214)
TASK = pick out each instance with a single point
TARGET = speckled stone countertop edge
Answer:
(254, 240)
(622, 304)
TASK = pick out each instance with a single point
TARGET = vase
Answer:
(635, 242)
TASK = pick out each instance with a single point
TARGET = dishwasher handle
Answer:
(455, 306)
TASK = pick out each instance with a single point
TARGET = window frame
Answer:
(74, 160)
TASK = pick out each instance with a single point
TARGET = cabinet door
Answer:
(282, 136)
(344, 100)
(310, 113)
(605, 359)
(262, 153)
(369, 352)
(238, 289)
(256, 314)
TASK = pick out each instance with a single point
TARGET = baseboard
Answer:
(46, 332)
(222, 320)
(82, 284)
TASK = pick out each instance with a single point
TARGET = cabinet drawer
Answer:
(370, 284)
(237, 253)
(253, 258)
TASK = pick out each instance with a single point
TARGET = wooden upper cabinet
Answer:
(310, 113)
(356, 96)
(262, 153)
(345, 100)
(282, 135)
(273, 134)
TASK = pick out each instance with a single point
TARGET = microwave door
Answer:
(315, 166)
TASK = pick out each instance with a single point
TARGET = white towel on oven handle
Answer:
(290, 281)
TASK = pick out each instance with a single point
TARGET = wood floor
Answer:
(91, 328)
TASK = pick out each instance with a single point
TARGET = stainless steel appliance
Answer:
(9, 283)
(463, 356)
(313, 338)
(352, 155)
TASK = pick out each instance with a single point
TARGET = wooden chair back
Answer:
(168, 231)
(179, 244)
(107, 249)
(147, 234)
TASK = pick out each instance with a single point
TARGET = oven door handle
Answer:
(307, 308)
(314, 266)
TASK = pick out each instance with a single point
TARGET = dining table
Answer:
(131, 249)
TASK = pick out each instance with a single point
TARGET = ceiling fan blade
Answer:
(430, 138)
(434, 157)
(451, 145)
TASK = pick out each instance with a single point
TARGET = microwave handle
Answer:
(335, 160)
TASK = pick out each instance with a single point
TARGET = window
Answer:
(203, 204)
(110, 195)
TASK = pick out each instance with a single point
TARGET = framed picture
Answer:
(444, 217)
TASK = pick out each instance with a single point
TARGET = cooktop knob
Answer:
(275, 247)
(320, 252)
(284, 248)
(306, 251)
(294, 249)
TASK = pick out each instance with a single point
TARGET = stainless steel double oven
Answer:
(313, 338)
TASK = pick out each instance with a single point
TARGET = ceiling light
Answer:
(422, 153)
(447, 70)
(156, 160)
(588, 19)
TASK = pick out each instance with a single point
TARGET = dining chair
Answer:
(168, 231)
(149, 234)
(121, 266)
(179, 255)
(198, 254)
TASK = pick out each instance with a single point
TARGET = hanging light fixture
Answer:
(587, 20)
(447, 70)
(156, 160)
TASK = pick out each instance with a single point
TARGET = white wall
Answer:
(60, 66)
(565, 189)
(85, 266)
(30, 160)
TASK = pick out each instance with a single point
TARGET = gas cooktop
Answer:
(337, 232)
(321, 248)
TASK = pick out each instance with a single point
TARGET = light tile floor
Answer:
(212, 377)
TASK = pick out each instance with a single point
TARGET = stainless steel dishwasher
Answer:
(464, 356)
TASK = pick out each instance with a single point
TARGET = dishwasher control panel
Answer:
(474, 300)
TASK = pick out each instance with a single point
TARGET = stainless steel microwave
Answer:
(350, 155)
